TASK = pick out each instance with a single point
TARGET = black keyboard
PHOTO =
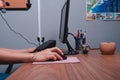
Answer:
(45, 45)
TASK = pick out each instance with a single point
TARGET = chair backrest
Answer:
(8, 70)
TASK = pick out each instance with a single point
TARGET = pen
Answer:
(84, 38)
(77, 44)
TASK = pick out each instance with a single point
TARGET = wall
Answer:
(97, 31)
(25, 22)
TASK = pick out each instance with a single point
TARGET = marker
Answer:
(84, 38)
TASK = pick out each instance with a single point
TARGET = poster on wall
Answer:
(102, 9)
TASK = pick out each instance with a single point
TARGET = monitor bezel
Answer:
(63, 39)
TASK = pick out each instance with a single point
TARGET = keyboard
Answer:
(45, 45)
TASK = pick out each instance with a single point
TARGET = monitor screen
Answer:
(64, 22)
(63, 35)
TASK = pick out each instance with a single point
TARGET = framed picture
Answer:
(16, 4)
(103, 9)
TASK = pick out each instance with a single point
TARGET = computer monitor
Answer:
(63, 34)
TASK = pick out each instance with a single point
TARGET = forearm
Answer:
(7, 57)
(18, 50)
(28, 50)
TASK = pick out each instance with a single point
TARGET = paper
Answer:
(68, 60)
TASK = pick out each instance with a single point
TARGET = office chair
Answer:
(9, 68)
(3, 76)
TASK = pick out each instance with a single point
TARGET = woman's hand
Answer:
(47, 54)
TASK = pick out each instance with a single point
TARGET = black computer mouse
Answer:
(64, 57)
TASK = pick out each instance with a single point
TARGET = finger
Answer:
(52, 57)
(56, 49)
(58, 56)
(55, 56)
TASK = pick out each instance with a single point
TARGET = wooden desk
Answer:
(93, 66)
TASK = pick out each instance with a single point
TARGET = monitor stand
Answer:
(70, 51)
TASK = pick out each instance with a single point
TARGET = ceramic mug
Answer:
(107, 48)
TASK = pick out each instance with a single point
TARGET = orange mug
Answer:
(107, 48)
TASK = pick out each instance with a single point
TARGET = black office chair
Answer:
(9, 68)
(3, 76)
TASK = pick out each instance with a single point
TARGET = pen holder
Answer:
(85, 49)
(78, 45)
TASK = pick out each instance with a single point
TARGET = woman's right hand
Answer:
(47, 54)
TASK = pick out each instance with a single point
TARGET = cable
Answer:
(17, 32)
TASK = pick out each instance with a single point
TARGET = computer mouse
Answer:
(64, 57)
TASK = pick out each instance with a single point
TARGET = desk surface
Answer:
(93, 66)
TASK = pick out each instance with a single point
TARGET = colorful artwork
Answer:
(103, 9)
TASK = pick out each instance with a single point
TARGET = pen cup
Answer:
(85, 49)
(78, 46)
